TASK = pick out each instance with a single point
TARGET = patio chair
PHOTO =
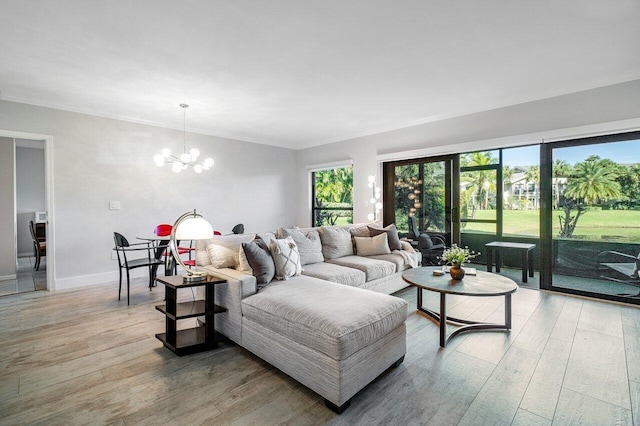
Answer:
(430, 244)
(619, 267)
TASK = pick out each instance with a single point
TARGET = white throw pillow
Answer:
(372, 246)
(286, 258)
(224, 249)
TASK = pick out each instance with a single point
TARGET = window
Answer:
(332, 196)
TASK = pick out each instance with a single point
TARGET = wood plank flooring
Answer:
(82, 357)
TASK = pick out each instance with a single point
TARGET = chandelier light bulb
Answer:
(159, 160)
(166, 152)
(198, 168)
(372, 200)
(378, 206)
(185, 157)
(194, 153)
(372, 179)
(208, 163)
(176, 167)
(371, 216)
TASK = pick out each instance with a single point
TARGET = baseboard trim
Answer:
(8, 277)
(95, 279)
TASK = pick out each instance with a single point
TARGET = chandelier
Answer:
(186, 159)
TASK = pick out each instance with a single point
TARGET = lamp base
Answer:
(195, 278)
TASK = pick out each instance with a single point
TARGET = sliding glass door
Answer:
(592, 216)
(420, 191)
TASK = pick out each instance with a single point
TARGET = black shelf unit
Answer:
(192, 340)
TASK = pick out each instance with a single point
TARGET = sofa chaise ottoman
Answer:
(332, 338)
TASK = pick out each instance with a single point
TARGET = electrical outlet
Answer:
(114, 205)
(114, 255)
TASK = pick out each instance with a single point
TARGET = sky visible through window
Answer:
(627, 152)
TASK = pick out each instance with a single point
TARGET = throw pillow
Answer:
(224, 250)
(392, 235)
(309, 245)
(372, 246)
(243, 265)
(360, 230)
(286, 258)
(259, 258)
(336, 242)
(202, 257)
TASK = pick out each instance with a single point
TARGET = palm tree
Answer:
(533, 175)
(507, 174)
(560, 169)
(592, 181)
(481, 183)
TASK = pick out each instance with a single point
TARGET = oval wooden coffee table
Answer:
(484, 284)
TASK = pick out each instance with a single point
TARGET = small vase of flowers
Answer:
(456, 257)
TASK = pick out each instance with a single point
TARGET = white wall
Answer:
(97, 160)
(7, 210)
(568, 115)
(30, 193)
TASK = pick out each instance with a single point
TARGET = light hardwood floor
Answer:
(82, 357)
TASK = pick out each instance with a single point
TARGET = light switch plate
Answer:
(114, 205)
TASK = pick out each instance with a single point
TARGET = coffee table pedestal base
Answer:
(468, 325)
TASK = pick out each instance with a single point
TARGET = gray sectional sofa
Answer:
(331, 323)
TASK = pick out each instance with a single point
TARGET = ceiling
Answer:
(304, 73)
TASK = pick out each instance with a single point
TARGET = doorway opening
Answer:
(27, 203)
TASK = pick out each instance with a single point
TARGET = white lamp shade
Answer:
(194, 228)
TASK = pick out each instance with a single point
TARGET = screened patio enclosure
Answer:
(578, 201)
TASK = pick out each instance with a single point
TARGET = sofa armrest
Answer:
(406, 245)
(245, 285)
(239, 285)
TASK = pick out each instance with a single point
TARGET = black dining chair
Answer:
(151, 261)
(39, 242)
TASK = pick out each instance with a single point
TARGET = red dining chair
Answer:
(164, 230)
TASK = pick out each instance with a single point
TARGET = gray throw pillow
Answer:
(309, 245)
(392, 235)
(259, 258)
(336, 242)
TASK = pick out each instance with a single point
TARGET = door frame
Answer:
(49, 179)
(546, 210)
(452, 191)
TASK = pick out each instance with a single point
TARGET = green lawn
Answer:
(615, 225)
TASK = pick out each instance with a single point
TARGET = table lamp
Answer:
(189, 226)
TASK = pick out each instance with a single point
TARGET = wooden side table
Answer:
(196, 339)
